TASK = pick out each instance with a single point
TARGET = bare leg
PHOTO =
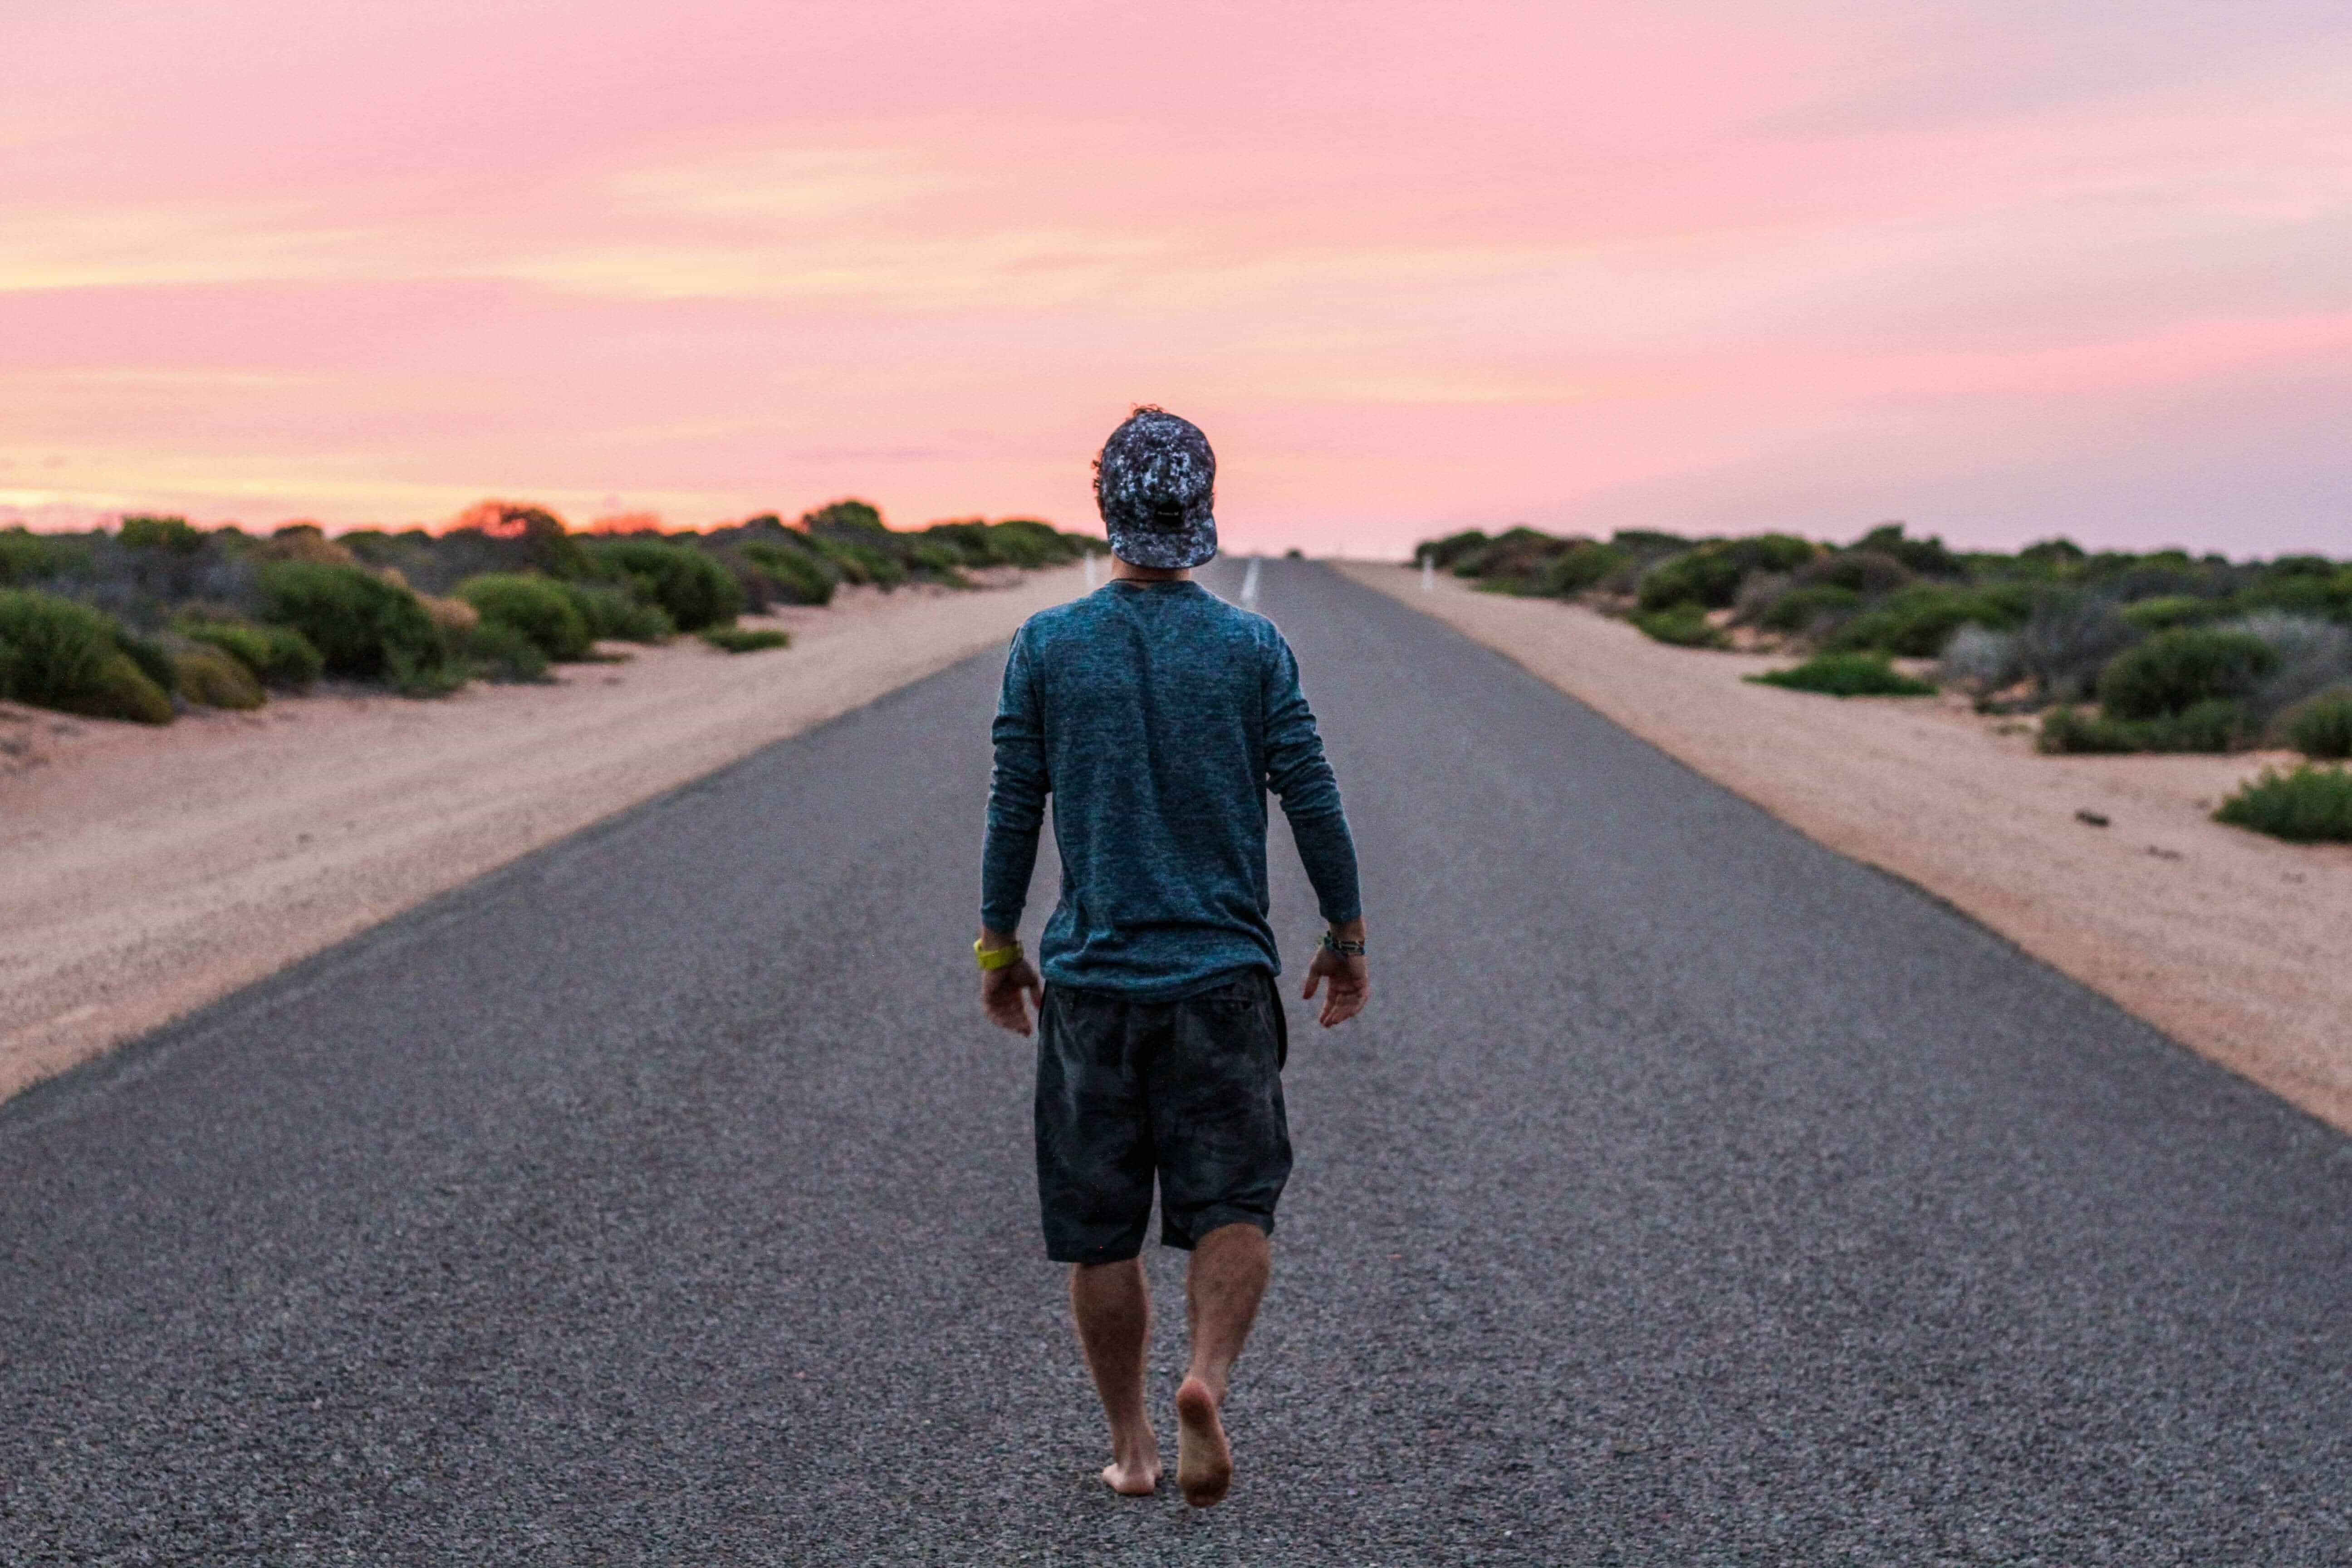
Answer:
(1228, 1275)
(1113, 1306)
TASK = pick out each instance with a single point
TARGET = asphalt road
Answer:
(1688, 1196)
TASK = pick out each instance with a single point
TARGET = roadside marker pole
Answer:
(1090, 571)
(1428, 572)
(1249, 585)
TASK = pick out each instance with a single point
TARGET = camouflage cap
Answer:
(1154, 484)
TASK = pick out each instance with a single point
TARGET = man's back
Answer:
(1157, 716)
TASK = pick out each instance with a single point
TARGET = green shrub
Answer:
(2306, 805)
(1516, 555)
(2174, 671)
(362, 626)
(1846, 675)
(798, 574)
(535, 607)
(746, 639)
(692, 588)
(2320, 726)
(173, 534)
(1449, 552)
(1025, 541)
(501, 651)
(277, 657)
(58, 654)
(1684, 625)
(1582, 565)
(1711, 573)
(612, 611)
(2217, 725)
(1869, 572)
(1801, 608)
(2169, 611)
(154, 660)
(1926, 556)
(214, 678)
(28, 557)
(1918, 621)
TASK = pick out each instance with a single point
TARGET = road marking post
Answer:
(1249, 585)
(1090, 571)
(1428, 572)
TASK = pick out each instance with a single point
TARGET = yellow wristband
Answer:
(996, 957)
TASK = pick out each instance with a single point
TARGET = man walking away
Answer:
(1157, 716)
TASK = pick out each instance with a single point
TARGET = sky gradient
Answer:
(1715, 267)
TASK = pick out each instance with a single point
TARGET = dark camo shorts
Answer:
(1190, 1092)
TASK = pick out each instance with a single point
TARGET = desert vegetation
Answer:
(156, 615)
(2111, 652)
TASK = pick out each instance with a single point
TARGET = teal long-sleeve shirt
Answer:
(1157, 716)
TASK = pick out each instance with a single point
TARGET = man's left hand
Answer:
(1005, 995)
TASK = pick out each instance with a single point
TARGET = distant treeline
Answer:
(142, 620)
(2178, 652)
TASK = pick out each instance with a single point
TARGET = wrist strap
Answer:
(996, 957)
(1342, 946)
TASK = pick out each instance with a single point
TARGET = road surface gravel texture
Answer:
(1688, 1196)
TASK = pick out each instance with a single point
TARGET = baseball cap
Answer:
(1153, 485)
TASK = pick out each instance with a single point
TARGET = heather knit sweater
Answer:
(1157, 717)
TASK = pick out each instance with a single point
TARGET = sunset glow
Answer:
(2002, 269)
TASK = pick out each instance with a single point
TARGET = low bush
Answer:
(2068, 638)
(1514, 557)
(362, 626)
(746, 639)
(277, 657)
(2320, 726)
(1449, 552)
(1867, 571)
(1804, 608)
(2171, 611)
(214, 677)
(2307, 806)
(1846, 675)
(1918, 621)
(2314, 655)
(694, 590)
(1583, 564)
(1711, 573)
(174, 534)
(58, 654)
(501, 651)
(1025, 541)
(799, 575)
(1982, 657)
(1927, 556)
(2217, 725)
(612, 611)
(1684, 625)
(2177, 670)
(28, 557)
(536, 607)
(152, 657)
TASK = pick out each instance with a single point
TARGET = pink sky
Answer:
(2003, 270)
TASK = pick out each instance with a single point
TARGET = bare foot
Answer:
(1204, 1464)
(1141, 1478)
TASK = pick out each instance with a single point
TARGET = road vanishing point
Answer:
(1687, 1196)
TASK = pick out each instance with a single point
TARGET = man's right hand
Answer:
(1005, 993)
(1350, 978)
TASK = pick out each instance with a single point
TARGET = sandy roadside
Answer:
(149, 871)
(2237, 946)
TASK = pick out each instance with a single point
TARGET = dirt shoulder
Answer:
(151, 872)
(2237, 946)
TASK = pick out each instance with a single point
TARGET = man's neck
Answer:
(1134, 573)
